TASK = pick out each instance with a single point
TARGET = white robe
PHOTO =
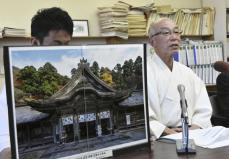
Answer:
(4, 124)
(164, 98)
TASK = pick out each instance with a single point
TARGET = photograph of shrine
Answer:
(70, 100)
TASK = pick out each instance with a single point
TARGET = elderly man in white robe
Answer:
(164, 75)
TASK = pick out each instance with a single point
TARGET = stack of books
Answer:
(136, 23)
(13, 32)
(147, 9)
(113, 20)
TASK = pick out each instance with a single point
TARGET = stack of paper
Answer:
(198, 21)
(113, 20)
(13, 32)
(136, 23)
(189, 21)
(213, 137)
(147, 9)
(208, 21)
(161, 12)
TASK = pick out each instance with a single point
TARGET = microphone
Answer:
(221, 66)
(183, 102)
(184, 145)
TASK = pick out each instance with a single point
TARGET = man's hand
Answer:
(169, 131)
(177, 129)
(193, 127)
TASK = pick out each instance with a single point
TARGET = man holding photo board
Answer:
(50, 26)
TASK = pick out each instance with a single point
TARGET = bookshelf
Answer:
(200, 57)
(98, 40)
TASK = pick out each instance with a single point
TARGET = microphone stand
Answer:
(184, 133)
(184, 146)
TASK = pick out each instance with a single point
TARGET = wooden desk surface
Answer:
(161, 150)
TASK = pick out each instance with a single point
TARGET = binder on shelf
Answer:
(194, 54)
(211, 74)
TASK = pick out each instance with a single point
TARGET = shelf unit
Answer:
(97, 39)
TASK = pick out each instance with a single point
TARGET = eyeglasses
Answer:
(167, 32)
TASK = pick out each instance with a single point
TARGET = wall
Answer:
(180, 3)
(18, 13)
(227, 3)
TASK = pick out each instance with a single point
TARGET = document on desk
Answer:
(213, 137)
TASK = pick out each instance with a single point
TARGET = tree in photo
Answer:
(30, 80)
(95, 68)
(128, 73)
(118, 77)
(106, 76)
(138, 72)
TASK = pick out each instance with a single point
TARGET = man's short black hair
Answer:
(50, 19)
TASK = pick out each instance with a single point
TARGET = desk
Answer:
(161, 150)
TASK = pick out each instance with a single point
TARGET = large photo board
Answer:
(76, 101)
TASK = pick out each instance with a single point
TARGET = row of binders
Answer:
(200, 53)
(200, 57)
(199, 21)
(206, 72)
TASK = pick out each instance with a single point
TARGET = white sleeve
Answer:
(4, 128)
(156, 127)
(203, 110)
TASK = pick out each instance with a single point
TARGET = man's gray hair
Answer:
(153, 26)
